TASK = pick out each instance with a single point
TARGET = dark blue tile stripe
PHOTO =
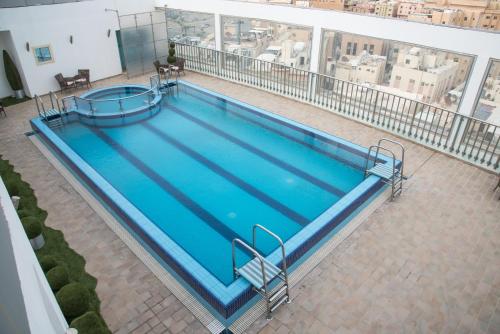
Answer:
(242, 184)
(182, 198)
(170, 260)
(287, 124)
(260, 153)
(225, 310)
(280, 133)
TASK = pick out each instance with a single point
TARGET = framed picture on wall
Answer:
(43, 54)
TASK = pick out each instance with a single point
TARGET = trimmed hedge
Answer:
(73, 299)
(32, 226)
(56, 251)
(57, 277)
(47, 262)
(89, 323)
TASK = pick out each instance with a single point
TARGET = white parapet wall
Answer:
(482, 45)
(27, 304)
(81, 35)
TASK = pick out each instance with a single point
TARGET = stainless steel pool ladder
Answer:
(53, 116)
(390, 173)
(260, 272)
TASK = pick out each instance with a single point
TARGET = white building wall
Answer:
(86, 21)
(27, 304)
(481, 44)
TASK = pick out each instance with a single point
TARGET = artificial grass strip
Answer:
(55, 245)
(10, 100)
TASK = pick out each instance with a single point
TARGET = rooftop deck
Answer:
(428, 262)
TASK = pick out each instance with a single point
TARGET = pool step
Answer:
(260, 272)
(389, 172)
(252, 272)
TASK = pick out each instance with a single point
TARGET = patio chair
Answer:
(179, 63)
(65, 83)
(160, 68)
(2, 110)
(83, 78)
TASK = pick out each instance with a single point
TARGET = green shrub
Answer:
(56, 250)
(73, 299)
(57, 277)
(12, 187)
(24, 213)
(32, 226)
(47, 262)
(89, 323)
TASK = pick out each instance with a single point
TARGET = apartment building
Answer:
(426, 74)
(389, 9)
(364, 68)
(407, 8)
(327, 4)
(363, 7)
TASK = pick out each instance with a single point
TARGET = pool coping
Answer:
(128, 113)
(227, 301)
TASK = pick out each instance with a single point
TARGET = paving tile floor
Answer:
(428, 262)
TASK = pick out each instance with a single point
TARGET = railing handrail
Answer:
(150, 90)
(463, 136)
(343, 81)
(275, 236)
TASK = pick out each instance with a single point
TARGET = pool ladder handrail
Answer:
(54, 115)
(389, 173)
(280, 293)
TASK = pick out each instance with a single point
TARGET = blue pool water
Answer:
(191, 174)
(206, 172)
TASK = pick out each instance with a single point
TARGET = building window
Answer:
(348, 51)
(407, 61)
(372, 49)
(43, 54)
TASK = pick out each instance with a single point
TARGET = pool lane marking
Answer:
(242, 184)
(266, 156)
(182, 198)
(280, 133)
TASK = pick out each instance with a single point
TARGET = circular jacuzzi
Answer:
(115, 104)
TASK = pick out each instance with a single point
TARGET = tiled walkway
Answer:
(429, 262)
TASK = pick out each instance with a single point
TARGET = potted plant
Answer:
(12, 75)
(171, 59)
(33, 229)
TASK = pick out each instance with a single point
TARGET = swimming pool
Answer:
(202, 171)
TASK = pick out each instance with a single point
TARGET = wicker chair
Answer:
(160, 68)
(65, 83)
(83, 78)
(179, 63)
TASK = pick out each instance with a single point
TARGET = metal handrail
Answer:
(402, 151)
(53, 97)
(40, 107)
(275, 236)
(378, 148)
(153, 89)
(150, 90)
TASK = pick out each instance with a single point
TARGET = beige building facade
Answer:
(389, 9)
(427, 75)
